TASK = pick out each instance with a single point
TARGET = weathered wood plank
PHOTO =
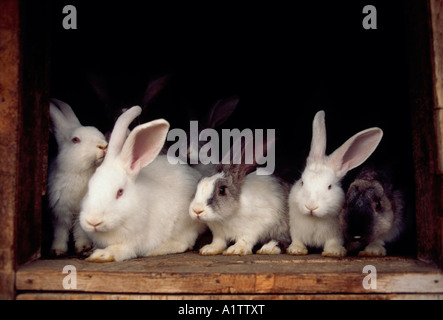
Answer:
(9, 102)
(191, 273)
(23, 134)
(436, 7)
(95, 296)
(425, 148)
(33, 127)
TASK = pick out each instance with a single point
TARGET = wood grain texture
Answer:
(33, 127)
(169, 297)
(9, 104)
(436, 7)
(24, 133)
(425, 148)
(190, 273)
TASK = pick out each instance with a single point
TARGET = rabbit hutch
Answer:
(366, 66)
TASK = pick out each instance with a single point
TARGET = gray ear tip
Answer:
(320, 114)
(136, 109)
(319, 118)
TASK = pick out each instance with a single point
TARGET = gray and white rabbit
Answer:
(137, 201)
(80, 151)
(242, 207)
(373, 214)
(317, 198)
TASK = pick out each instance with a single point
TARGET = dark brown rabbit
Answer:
(373, 213)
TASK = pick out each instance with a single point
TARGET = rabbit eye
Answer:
(76, 140)
(119, 193)
(330, 187)
(222, 190)
(378, 206)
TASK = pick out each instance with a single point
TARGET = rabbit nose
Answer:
(198, 211)
(311, 208)
(94, 223)
(103, 147)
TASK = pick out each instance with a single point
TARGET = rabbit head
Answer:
(372, 210)
(80, 148)
(217, 196)
(318, 192)
(112, 190)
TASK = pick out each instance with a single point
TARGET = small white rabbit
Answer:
(80, 151)
(316, 198)
(242, 207)
(137, 202)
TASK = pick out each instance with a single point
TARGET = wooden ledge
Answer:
(190, 273)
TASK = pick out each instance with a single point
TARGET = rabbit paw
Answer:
(82, 247)
(270, 248)
(59, 249)
(81, 240)
(210, 250)
(373, 250)
(239, 248)
(297, 249)
(101, 255)
(334, 251)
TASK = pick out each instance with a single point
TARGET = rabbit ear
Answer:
(355, 151)
(67, 112)
(240, 152)
(318, 142)
(61, 127)
(118, 135)
(244, 157)
(143, 145)
(221, 111)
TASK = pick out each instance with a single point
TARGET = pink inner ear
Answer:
(361, 149)
(355, 151)
(147, 145)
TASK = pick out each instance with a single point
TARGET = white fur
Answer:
(150, 218)
(316, 198)
(261, 212)
(320, 227)
(69, 174)
(205, 189)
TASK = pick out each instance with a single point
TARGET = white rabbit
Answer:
(137, 202)
(316, 198)
(243, 207)
(80, 150)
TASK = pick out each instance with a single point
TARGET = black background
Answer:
(284, 60)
